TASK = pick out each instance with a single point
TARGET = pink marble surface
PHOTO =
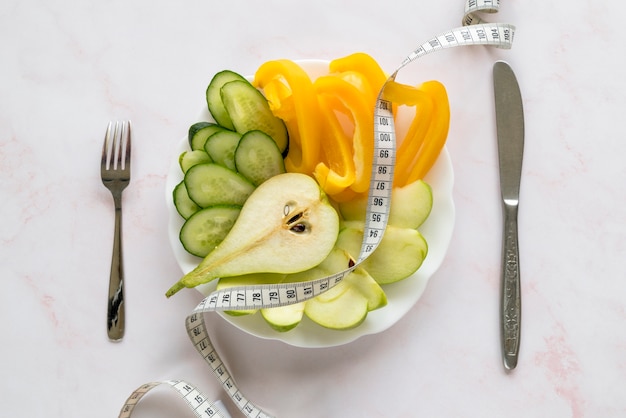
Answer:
(68, 67)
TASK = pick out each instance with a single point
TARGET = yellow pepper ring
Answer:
(361, 113)
(409, 147)
(304, 125)
(428, 132)
(336, 172)
(437, 134)
(364, 64)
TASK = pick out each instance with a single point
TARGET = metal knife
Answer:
(510, 128)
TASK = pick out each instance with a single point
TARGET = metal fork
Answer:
(115, 173)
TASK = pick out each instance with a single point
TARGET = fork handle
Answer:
(115, 310)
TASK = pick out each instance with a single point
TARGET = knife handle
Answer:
(511, 290)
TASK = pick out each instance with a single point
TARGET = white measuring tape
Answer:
(195, 400)
(473, 32)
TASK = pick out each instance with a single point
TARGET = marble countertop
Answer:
(68, 67)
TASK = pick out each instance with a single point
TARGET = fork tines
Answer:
(116, 148)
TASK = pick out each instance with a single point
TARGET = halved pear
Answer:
(287, 225)
(399, 254)
(410, 206)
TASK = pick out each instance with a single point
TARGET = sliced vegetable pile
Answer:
(285, 124)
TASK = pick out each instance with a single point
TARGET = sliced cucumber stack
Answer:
(227, 160)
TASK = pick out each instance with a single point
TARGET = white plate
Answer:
(401, 296)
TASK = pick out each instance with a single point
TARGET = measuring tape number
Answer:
(473, 32)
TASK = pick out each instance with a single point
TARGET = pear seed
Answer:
(298, 228)
(295, 218)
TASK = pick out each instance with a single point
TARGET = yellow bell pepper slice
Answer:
(330, 121)
(296, 103)
(409, 146)
(364, 64)
(336, 172)
(437, 134)
(348, 195)
(280, 99)
(427, 133)
(363, 71)
(352, 103)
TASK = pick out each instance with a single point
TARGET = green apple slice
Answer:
(410, 206)
(361, 280)
(345, 305)
(284, 318)
(399, 254)
(288, 317)
(342, 307)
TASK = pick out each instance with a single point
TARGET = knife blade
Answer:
(510, 134)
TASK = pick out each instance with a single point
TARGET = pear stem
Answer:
(174, 289)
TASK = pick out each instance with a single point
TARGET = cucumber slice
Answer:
(258, 158)
(196, 127)
(221, 147)
(249, 110)
(184, 205)
(190, 158)
(211, 184)
(205, 229)
(214, 99)
(199, 132)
